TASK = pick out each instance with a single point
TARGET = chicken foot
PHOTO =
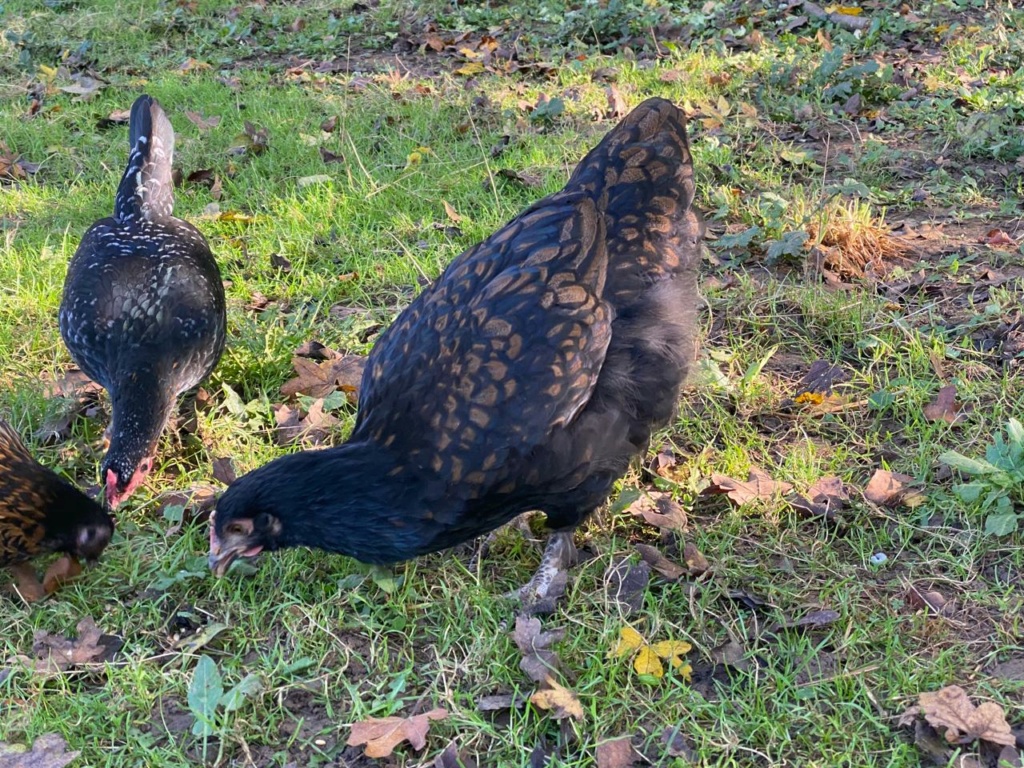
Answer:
(522, 522)
(559, 554)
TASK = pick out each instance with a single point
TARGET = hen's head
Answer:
(87, 527)
(121, 477)
(239, 532)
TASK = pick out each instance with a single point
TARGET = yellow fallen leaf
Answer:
(914, 499)
(560, 700)
(629, 641)
(683, 668)
(846, 10)
(472, 68)
(669, 648)
(648, 663)
(48, 72)
(414, 158)
(469, 53)
(244, 218)
(817, 398)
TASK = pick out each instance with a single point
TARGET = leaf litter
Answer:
(626, 584)
(313, 426)
(616, 753)
(890, 489)
(380, 736)
(47, 751)
(660, 510)
(335, 372)
(560, 701)
(539, 660)
(945, 406)
(951, 710)
(540, 663)
(758, 486)
(55, 654)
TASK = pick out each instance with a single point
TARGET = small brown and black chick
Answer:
(525, 378)
(143, 310)
(40, 512)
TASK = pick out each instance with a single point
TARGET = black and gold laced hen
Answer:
(143, 310)
(40, 512)
(526, 378)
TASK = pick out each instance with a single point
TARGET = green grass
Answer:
(328, 641)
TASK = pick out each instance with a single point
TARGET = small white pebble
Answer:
(878, 558)
(320, 742)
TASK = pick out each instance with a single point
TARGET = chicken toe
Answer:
(559, 555)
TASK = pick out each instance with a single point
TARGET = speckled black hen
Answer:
(143, 310)
(525, 378)
(40, 512)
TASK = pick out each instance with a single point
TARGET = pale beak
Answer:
(223, 554)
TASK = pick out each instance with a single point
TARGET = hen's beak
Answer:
(224, 553)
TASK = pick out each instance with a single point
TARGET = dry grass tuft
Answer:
(850, 240)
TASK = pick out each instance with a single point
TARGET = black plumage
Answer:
(40, 512)
(525, 378)
(143, 310)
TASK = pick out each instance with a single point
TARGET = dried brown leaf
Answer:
(538, 661)
(331, 157)
(660, 510)
(84, 88)
(626, 584)
(617, 753)
(810, 620)
(289, 424)
(731, 654)
(314, 350)
(759, 485)
(451, 212)
(48, 751)
(313, 427)
(320, 379)
(696, 563)
(951, 709)
(887, 488)
(933, 600)
(382, 735)
(559, 700)
(945, 406)
(328, 125)
(224, 470)
(74, 383)
(820, 378)
(524, 178)
(831, 489)
(280, 262)
(202, 123)
(654, 558)
(453, 757)
(998, 237)
(203, 177)
(56, 653)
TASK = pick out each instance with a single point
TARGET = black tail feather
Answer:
(146, 190)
